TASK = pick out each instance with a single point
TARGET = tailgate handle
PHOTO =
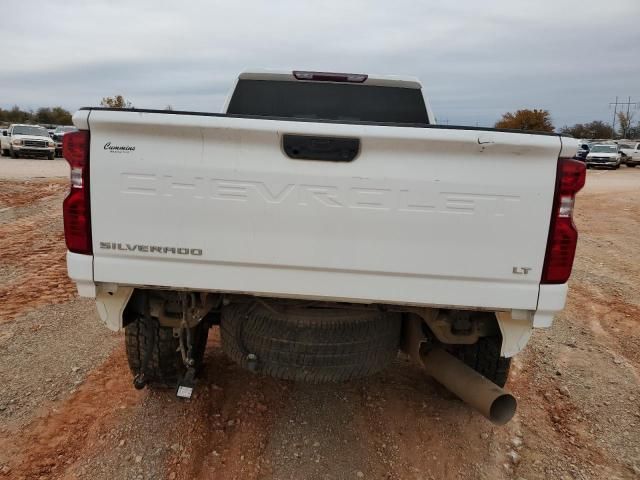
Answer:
(311, 147)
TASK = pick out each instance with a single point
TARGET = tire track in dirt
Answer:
(228, 430)
(412, 428)
(15, 194)
(574, 393)
(222, 432)
(615, 322)
(48, 445)
(33, 249)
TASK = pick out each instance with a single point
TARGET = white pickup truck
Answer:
(27, 140)
(324, 222)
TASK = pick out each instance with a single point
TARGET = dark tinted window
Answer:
(328, 101)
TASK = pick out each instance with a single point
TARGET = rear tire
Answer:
(164, 366)
(309, 344)
(484, 357)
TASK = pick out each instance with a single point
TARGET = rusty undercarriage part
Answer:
(182, 309)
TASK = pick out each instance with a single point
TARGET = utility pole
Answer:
(615, 111)
(615, 104)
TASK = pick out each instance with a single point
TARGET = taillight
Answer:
(330, 77)
(563, 236)
(75, 208)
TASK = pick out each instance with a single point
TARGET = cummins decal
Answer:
(118, 148)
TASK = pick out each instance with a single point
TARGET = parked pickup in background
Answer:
(323, 222)
(583, 151)
(57, 135)
(630, 154)
(604, 155)
(27, 140)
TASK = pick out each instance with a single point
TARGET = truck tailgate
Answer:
(424, 216)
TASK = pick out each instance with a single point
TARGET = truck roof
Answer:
(288, 75)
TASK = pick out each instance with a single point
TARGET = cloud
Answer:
(476, 59)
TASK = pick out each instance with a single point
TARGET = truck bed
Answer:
(424, 215)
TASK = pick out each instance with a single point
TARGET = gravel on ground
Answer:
(68, 408)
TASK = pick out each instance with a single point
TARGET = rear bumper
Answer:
(318, 284)
(516, 314)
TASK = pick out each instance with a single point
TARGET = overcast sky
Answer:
(476, 59)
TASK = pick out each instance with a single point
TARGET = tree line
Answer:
(540, 120)
(525, 119)
(44, 115)
(57, 115)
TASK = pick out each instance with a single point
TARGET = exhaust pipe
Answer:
(486, 397)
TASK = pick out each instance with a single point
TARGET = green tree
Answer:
(538, 120)
(117, 101)
(61, 116)
(15, 115)
(44, 115)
